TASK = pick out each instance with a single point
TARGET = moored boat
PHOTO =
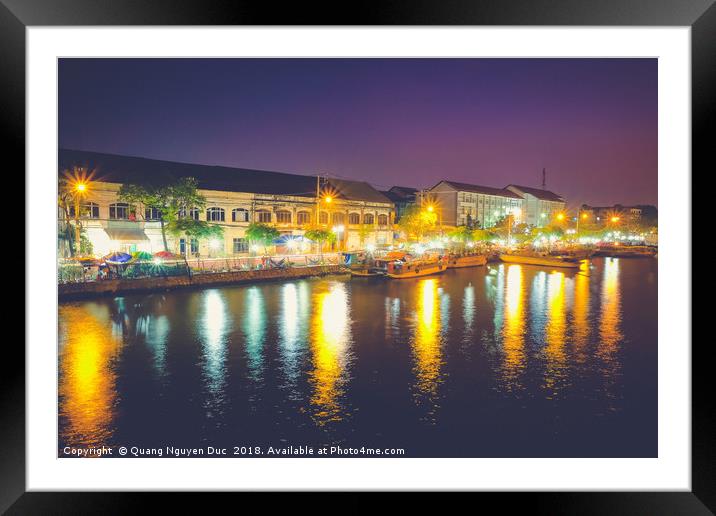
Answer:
(365, 271)
(415, 269)
(627, 251)
(546, 260)
(361, 265)
(474, 260)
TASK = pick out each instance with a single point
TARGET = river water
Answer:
(496, 361)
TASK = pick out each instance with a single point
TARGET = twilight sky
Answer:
(592, 123)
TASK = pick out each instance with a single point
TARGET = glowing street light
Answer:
(431, 208)
(560, 217)
(328, 199)
(80, 189)
(614, 219)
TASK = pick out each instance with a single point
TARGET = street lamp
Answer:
(80, 188)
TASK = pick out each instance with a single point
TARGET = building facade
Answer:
(540, 207)
(644, 213)
(403, 197)
(357, 213)
(460, 204)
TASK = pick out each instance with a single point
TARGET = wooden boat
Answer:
(361, 265)
(535, 259)
(365, 271)
(415, 269)
(627, 251)
(577, 254)
(474, 260)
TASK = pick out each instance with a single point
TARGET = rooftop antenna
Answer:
(544, 179)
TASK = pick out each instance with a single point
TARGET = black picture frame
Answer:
(699, 15)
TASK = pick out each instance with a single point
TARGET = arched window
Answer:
(339, 218)
(303, 217)
(215, 214)
(354, 218)
(283, 217)
(239, 215)
(263, 216)
(382, 220)
(323, 218)
(119, 211)
(152, 214)
(368, 218)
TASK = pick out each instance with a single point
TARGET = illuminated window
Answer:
(382, 220)
(354, 218)
(323, 218)
(283, 217)
(339, 218)
(215, 214)
(263, 216)
(119, 211)
(368, 218)
(239, 215)
(303, 217)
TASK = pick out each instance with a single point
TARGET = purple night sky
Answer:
(592, 123)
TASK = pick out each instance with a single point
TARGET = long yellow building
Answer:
(359, 214)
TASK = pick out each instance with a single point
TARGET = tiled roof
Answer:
(544, 195)
(487, 190)
(113, 168)
(356, 190)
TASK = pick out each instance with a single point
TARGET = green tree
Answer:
(482, 235)
(65, 199)
(172, 201)
(86, 247)
(320, 236)
(363, 231)
(195, 229)
(417, 223)
(262, 234)
(463, 235)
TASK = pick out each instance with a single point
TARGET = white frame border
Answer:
(670, 471)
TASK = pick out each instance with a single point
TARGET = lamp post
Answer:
(580, 216)
(79, 190)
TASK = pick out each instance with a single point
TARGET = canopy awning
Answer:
(126, 234)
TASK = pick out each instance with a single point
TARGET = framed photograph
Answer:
(435, 249)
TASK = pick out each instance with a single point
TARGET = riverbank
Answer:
(70, 291)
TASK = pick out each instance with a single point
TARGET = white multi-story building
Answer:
(358, 213)
(540, 207)
(484, 206)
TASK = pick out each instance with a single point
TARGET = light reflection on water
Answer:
(514, 328)
(87, 390)
(312, 354)
(426, 344)
(330, 348)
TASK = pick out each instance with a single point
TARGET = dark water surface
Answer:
(497, 361)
